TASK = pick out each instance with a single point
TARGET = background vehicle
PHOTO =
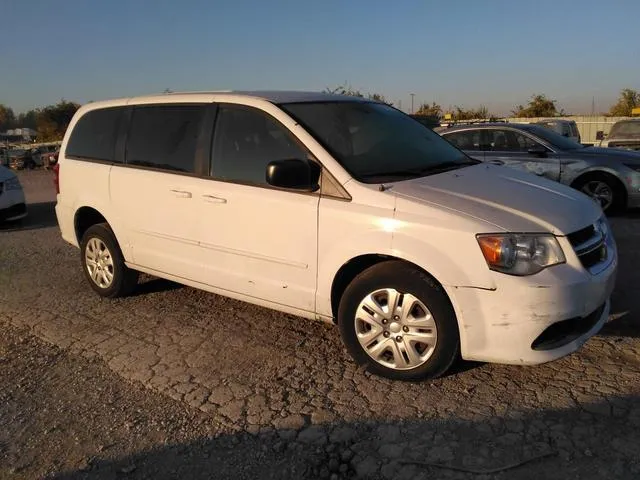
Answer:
(624, 134)
(429, 121)
(45, 155)
(611, 177)
(19, 158)
(356, 214)
(566, 128)
(12, 201)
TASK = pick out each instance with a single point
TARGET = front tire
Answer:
(103, 263)
(398, 322)
(606, 190)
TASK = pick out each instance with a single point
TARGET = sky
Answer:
(469, 53)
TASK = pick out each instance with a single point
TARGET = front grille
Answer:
(566, 331)
(590, 246)
(581, 236)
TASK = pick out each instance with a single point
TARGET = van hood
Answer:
(505, 198)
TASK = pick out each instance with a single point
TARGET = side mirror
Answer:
(295, 174)
(538, 150)
(600, 135)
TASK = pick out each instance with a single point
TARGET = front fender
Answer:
(337, 248)
(453, 259)
(574, 171)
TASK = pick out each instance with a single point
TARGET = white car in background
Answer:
(12, 203)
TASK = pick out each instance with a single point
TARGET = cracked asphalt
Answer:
(259, 377)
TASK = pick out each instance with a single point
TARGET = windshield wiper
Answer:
(447, 166)
(422, 171)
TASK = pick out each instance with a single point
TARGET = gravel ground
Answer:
(174, 382)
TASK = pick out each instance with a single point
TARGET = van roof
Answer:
(279, 96)
(273, 96)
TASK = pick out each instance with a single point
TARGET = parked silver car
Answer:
(624, 134)
(610, 176)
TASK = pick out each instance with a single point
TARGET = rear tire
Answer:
(103, 263)
(412, 333)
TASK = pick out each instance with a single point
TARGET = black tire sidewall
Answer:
(104, 234)
(618, 200)
(407, 279)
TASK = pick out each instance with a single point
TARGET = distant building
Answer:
(18, 135)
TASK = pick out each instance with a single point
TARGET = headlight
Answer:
(12, 184)
(633, 167)
(520, 254)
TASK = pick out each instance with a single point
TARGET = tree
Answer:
(539, 106)
(52, 121)
(433, 110)
(7, 118)
(379, 98)
(344, 90)
(28, 119)
(627, 100)
(349, 90)
(471, 114)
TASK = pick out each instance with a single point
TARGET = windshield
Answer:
(555, 139)
(375, 142)
(626, 129)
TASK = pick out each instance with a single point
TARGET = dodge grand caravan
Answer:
(338, 209)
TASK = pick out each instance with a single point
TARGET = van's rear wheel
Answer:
(103, 263)
(398, 322)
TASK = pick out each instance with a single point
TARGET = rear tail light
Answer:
(56, 177)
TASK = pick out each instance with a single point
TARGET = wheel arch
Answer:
(599, 174)
(84, 218)
(356, 265)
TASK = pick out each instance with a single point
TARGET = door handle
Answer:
(181, 193)
(496, 162)
(214, 199)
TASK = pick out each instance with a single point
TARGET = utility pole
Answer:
(412, 95)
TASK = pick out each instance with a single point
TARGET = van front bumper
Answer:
(536, 319)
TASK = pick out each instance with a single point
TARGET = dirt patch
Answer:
(63, 413)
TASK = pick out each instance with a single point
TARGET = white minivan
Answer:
(340, 209)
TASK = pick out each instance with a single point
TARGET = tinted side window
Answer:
(509, 141)
(468, 140)
(164, 137)
(574, 130)
(95, 134)
(245, 141)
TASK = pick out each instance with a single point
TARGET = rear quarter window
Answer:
(95, 134)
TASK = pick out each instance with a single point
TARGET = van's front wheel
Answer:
(398, 322)
(103, 263)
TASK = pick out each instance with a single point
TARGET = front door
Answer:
(515, 149)
(254, 239)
